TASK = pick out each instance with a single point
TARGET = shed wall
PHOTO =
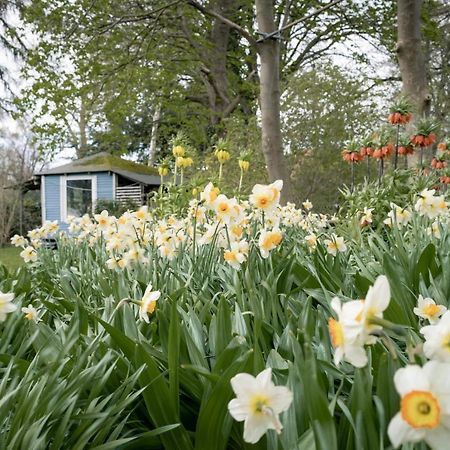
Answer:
(52, 192)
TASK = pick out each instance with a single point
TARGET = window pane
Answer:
(79, 197)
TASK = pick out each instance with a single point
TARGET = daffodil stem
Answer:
(386, 324)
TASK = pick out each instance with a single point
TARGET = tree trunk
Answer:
(82, 149)
(154, 138)
(218, 55)
(272, 145)
(410, 55)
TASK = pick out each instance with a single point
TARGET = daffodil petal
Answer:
(399, 431)
(411, 378)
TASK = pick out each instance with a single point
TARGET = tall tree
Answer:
(202, 67)
(410, 54)
(272, 144)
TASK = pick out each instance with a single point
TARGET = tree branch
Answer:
(296, 22)
(244, 33)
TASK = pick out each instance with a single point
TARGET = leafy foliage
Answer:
(89, 375)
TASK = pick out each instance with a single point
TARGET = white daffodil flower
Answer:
(258, 402)
(268, 240)
(28, 254)
(427, 309)
(335, 244)
(437, 339)
(31, 313)
(377, 300)
(424, 405)
(266, 197)
(237, 254)
(6, 305)
(347, 333)
(148, 303)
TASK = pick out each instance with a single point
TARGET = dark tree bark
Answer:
(410, 55)
(272, 144)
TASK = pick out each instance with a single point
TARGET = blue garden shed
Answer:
(75, 188)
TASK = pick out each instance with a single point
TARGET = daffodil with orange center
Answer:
(103, 219)
(427, 309)
(346, 333)
(268, 240)
(209, 195)
(266, 197)
(237, 254)
(224, 208)
(148, 303)
(424, 405)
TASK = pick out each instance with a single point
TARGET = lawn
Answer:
(9, 256)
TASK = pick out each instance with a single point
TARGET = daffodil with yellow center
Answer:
(437, 339)
(29, 254)
(335, 244)
(424, 406)
(142, 213)
(258, 404)
(427, 309)
(31, 313)
(268, 240)
(377, 300)
(148, 303)
(6, 304)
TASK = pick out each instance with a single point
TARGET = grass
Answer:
(9, 256)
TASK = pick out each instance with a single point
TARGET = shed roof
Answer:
(105, 162)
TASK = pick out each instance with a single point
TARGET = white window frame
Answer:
(43, 204)
(63, 190)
